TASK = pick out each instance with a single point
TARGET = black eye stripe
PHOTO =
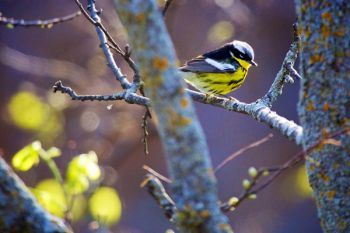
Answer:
(238, 54)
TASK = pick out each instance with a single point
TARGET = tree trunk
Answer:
(194, 185)
(19, 211)
(324, 105)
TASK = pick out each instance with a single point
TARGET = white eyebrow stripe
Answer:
(239, 48)
(220, 66)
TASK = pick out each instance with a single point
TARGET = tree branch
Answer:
(166, 6)
(157, 191)
(260, 109)
(48, 23)
(19, 211)
(102, 32)
(284, 75)
(194, 185)
(130, 98)
(324, 105)
(255, 187)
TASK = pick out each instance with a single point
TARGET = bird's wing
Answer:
(203, 64)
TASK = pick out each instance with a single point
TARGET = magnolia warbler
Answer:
(222, 70)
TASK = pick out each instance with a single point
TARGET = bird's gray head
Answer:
(242, 50)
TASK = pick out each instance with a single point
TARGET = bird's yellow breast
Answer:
(217, 83)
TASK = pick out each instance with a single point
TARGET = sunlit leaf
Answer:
(81, 169)
(50, 195)
(53, 152)
(77, 184)
(105, 206)
(79, 207)
(27, 157)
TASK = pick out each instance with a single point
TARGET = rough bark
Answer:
(194, 185)
(324, 105)
(19, 211)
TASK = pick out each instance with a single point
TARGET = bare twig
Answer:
(144, 126)
(285, 74)
(131, 98)
(47, 23)
(156, 174)
(241, 151)
(156, 189)
(107, 42)
(104, 38)
(166, 6)
(253, 187)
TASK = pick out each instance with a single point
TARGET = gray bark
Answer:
(19, 211)
(194, 185)
(324, 105)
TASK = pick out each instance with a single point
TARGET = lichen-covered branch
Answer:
(194, 186)
(258, 110)
(157, 191)
(104, 44)
(130, 98)
(47, 23)
(19, 211)
(285, 74)
(324, 105)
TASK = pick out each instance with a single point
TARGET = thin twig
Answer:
(110, 43)
(157, 174)
(130, 98)
(166, 6)
(144, 126)
(260, 109)
(157, 191)
(285, 74)
(241, 151)
(253, 188)
(47, 23)
(104, 39)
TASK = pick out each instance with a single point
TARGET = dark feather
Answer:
(199, 65)
(220, 54)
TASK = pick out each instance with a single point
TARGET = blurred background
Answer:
(32, 59)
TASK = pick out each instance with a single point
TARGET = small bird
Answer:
(220, 71)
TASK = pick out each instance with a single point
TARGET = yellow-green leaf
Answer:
(105, 206)
(27, 157)
(77, 184)
(82, 169)
(50, 195)
(53, 152)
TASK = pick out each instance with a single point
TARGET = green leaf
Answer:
(53, 152)
(105, 206)
(77, 185)
(50, 195)
(27, 157)
(81, 170)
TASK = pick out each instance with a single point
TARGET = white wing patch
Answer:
(220, 66)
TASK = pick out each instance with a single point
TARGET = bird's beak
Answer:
(253, 63)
